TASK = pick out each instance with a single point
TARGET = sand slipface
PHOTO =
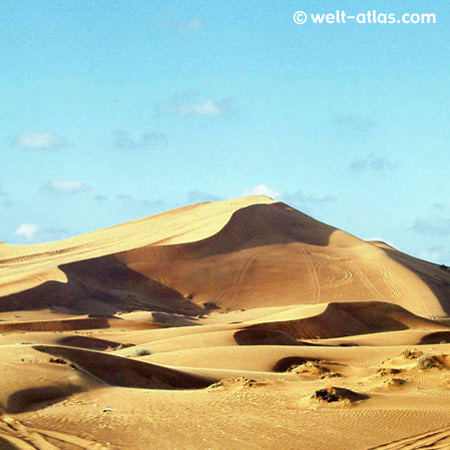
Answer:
(235, 324)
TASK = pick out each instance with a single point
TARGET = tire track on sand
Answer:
(232, 290)
(312, 273)
(23, 437)
(437, 439)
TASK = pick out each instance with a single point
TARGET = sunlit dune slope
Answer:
(237, 254)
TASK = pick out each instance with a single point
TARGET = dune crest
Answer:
(243, 253)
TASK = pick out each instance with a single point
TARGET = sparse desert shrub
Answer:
(327, 395)
(58, 361)
(308, 367)
(209, 305)
(411, 354)
(313, 368)
(394, 381)
(426, 362)
(338, 394)
(239, 382)
(330, 375)
(141, 352)
(387, 371)
(64, 361)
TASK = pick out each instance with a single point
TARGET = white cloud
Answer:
(123, 140)
(299, 198)
(192, 26)
(261, 189)
(304, 202)
(204, 108)
(26, 231)
(435, 226)
(39, 141)
(432, 254)
(353, 123)
(53, 234)
(66, 186)
(200, 197)
(188, 104)
(371, 162)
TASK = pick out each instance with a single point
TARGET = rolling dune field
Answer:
(227, 325)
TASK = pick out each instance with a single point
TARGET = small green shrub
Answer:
(411, 354)
(141, 352)
(426, 362)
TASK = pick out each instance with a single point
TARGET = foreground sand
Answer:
(238, 324)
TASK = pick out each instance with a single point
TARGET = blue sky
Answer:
(112, 111)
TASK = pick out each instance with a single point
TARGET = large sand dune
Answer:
(236, 324)
(244, 253)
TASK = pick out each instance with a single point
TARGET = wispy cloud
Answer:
(39, 141)
(26, 231)
(65, 186)
(200, 197)
(54, 234)
(434, 253)
(372, 162)
(439, 206)
(435, 225)
(299, 198)
(353, 123)
(188, 104)
(208, 107)
(261, 189)
(4, 198)
(154, 206)
(124, 141)
(192, 26)
(124, 197)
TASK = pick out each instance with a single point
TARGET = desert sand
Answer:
(227, 325)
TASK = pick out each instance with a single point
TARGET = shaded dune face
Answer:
(99, 285)
(118, 371)
(33, 398)
(274, 255)
(342, 319)
(438, 337)
(262, 336)
(264, 255)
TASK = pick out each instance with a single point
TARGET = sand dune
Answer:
(235, 324)
(119, 371)
(230, 255)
